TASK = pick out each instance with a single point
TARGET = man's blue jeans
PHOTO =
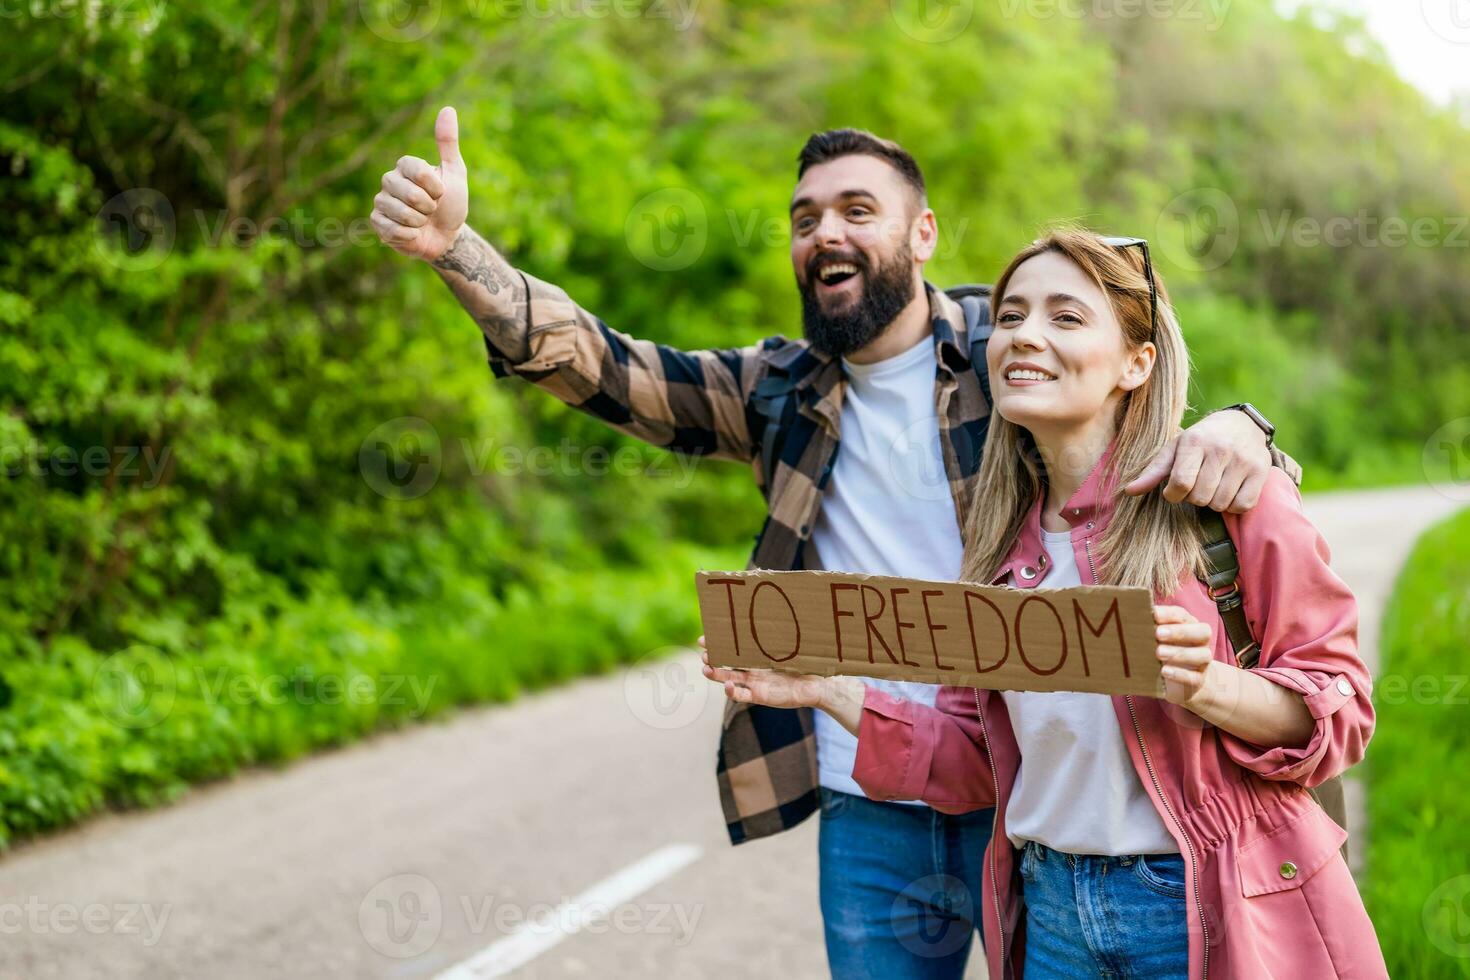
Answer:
(1094, 916)
(901, 887)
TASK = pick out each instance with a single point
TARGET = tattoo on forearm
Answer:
(475, 259)
(489, 288)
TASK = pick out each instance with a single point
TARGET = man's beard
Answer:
(885, 293)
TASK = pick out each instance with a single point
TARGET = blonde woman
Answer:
(1134, 837)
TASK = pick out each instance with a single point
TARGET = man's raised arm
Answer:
(491, 291)
(686, 401)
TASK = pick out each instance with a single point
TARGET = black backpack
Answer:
(773, 399)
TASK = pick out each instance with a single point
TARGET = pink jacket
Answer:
(1270, 895)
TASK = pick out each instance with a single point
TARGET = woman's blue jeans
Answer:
(1094, 916)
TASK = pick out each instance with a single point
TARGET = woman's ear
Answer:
(1138, 364)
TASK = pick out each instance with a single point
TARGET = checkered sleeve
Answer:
(687, 401)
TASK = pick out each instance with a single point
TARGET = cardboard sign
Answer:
(1091, 638)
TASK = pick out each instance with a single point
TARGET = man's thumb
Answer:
(446, 134)
(1154, 473)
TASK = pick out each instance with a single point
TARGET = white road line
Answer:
(532, 939)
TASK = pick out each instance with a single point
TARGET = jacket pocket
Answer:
(1287, 857)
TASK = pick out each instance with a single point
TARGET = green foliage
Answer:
(1347, 205)
(1243, 353)
(272, 680)
(202, 413)
(1418, 887)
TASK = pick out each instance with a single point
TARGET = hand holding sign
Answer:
(421, 208)
(1186, 651)
(841, 697)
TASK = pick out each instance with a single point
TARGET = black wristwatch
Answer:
(1254, 414)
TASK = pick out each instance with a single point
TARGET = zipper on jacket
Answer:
(990, 864)
(1153, 776)
(1194, 857)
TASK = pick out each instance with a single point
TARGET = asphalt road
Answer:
(575, 833)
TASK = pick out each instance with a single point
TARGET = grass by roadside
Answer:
(1418, 869)
(80, 731)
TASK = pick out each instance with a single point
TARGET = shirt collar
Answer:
(1087, 511)
(1095, 498)
(951, 338)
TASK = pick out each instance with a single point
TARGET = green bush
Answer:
(85, 729)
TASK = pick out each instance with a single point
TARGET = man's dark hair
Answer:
(834, 143)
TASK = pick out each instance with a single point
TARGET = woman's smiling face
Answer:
(1057, 357)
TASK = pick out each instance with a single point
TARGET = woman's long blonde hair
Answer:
(1149, 541)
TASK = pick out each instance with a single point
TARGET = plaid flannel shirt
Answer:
(701, 402)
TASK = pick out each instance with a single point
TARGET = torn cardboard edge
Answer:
(1094, 639)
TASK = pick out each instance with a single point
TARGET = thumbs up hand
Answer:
(421, 208)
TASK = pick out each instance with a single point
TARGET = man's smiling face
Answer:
(851, 223)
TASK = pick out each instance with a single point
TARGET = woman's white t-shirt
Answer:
(1077, 790)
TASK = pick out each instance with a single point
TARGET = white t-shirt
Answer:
(1077, 790)
(887, 509)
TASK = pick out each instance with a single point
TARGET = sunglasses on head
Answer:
(1148, 272)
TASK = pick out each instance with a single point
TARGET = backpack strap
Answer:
(1223, 580)
(974, 300)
